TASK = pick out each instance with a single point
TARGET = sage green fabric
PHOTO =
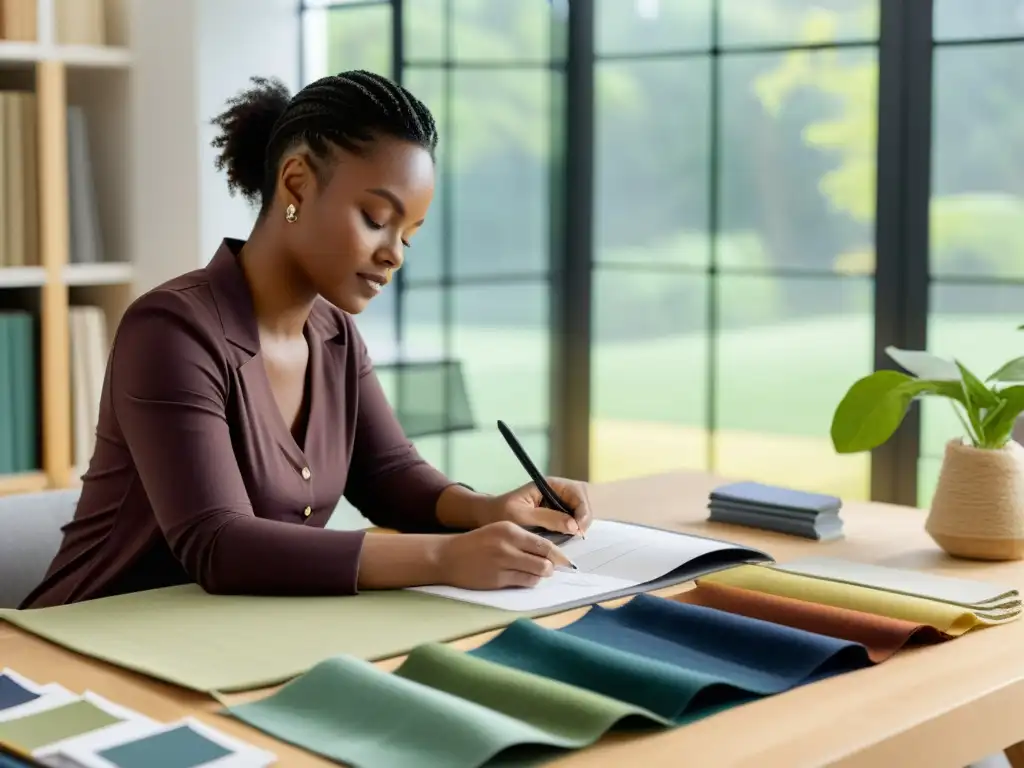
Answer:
(225, 643)
(442, 708)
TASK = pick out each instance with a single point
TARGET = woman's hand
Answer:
(497, 555)
(523, 506)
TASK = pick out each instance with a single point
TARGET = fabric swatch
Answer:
(652, 663)
(12, 694)
(179, 747)
(34, 731)
(950, 619)
(352, 712)
(669, 691)
(239, 643)
(881, 635)
(750, 654)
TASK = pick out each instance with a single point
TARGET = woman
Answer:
(240, 403)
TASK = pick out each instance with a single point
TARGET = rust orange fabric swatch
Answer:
(881, 635)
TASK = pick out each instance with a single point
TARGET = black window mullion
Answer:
(902, 220)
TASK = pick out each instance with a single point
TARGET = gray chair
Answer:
(30, 535)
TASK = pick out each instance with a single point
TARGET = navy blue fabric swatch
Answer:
(12, 694)
(750, 654)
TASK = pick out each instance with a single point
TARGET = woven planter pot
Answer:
(978, 508)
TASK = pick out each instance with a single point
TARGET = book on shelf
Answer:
(89, 346)
(19, 172)
(76, 22)
(19, 20)
(19, 436)
(85, 233)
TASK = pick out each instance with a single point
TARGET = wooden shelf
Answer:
(24, 482)
(84, 56)
(95, 80)
(99, 274)
(22, 277)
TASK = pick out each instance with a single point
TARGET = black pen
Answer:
(551, 498)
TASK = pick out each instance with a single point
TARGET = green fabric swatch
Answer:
(442, 708)
(238, 643)
(42, 728)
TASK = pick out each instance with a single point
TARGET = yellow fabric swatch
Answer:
(951, 619)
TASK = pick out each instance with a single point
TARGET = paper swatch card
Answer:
(51, 696)
(63, 721)
(16, 690)
(185, 744)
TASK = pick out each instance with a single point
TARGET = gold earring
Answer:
(290, 214)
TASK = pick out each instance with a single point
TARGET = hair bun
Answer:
(246, 127)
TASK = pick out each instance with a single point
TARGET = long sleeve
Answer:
(169, 392)
(389, 482)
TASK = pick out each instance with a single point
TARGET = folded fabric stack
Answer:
(51, 726)
(739, 635)
(783, 510)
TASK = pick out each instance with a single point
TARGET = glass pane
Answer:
(978, 150)
(977, 19)
(977, 325)
(501, 189)
(423, 327)
(339, 39)
(797, 186)
(501, 336)
(425, 260)
(432, 449)
(797, 22)
(501, 30)
(788, 350)
(424, 32)
(647, 26)
(649, 373)
(377, 326)
(483, 459)
(651, 185)
(927, 480)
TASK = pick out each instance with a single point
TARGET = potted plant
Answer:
(977, 511)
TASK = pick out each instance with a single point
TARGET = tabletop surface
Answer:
(940, 705)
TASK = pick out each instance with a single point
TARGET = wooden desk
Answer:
(945, 705)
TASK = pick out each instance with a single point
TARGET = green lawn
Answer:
(777, 387)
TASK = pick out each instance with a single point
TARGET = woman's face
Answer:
(351, 234)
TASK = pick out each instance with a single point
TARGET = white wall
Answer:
(237, 39)
(191, 56)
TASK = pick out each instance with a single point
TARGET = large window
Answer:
(732, 281)
(734, 236)
(976, 260)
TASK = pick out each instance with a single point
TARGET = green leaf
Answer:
(1000, 428)
(1012, 371)
(873, 409)
(976, 390)
(924, 365)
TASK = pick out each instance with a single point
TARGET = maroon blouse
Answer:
(196, 476)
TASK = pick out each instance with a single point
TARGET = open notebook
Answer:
(615, 560)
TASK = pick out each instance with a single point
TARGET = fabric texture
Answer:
(880, 635)
(650, 664)
(951, 619)
(241, 643)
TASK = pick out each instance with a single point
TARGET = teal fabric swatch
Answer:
(179, 747)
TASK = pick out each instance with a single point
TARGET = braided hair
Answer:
(348, 110)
